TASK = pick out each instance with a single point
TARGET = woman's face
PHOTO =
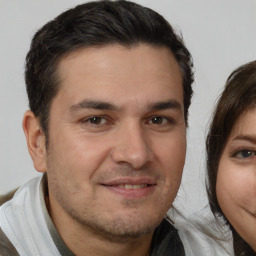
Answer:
(236, 179)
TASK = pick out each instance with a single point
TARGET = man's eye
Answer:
(245, 154)
(96, 120)
(158, 120)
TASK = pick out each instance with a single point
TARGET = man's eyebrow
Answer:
(92, 104)
(250, 138)
(102, 105)
(169, 104)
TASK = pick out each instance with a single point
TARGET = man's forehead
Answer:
(108, 52)
(117, 60)
(146, 74)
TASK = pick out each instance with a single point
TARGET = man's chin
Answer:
(125, 235)
(123, 230)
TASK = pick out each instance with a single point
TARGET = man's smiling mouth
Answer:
(130, 186)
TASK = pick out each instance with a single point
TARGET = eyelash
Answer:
(91, 118)
(167, 120)
(160, 120)
(239, 154)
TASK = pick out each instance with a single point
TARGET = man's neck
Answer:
(91, 245)
(83, 241)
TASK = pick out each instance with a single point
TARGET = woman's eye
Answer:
(245, 154)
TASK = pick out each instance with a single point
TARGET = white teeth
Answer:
(136, 186)
(130, 186)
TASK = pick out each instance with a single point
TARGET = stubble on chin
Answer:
(118, 230)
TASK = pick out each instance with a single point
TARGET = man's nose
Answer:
(132, 147)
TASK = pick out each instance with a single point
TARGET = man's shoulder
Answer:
(6, 247)
(16, 207)
(166, 241)
(6, 197)
(28, 187)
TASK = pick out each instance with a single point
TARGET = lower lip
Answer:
(131, 193)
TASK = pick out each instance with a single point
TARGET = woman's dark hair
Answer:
(239, 96)
(97, 23)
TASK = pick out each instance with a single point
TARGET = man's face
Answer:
(116, 139)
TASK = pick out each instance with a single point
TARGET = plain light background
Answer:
(220, 34)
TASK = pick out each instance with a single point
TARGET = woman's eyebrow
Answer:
(250, 138)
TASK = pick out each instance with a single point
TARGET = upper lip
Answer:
(129, 180)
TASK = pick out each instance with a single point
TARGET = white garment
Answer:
(23, 222)
(202, 235)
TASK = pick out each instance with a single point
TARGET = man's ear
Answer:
(35, 140)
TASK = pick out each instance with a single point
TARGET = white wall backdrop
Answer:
(220, 34)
